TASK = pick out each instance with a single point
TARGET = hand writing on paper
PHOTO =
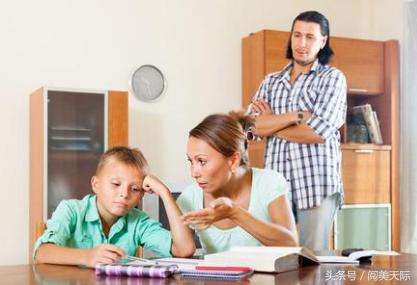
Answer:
(103, 253)
(219, 209)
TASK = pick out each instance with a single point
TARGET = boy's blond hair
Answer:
(128, 156)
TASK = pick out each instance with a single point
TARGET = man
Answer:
(300, 110)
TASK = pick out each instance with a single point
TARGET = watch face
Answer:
(148, 83)
(300, 117)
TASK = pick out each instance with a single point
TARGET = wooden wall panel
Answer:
(36, 171)
(118, 118)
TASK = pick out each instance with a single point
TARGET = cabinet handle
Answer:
(358, 90)
(364, 150)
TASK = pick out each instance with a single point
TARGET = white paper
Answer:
(336, 259)
(182, 263)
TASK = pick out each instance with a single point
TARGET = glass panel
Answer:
(363, 228)
(75, 142)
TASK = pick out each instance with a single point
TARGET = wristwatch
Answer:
(300, 118)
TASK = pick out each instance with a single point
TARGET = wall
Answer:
(97, 44)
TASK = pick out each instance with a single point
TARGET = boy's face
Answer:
(118, 188)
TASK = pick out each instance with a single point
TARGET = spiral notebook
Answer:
(217, 273)
(136, 267)
(158, 271)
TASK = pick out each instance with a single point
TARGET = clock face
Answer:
(148, 83)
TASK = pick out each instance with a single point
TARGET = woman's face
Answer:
(211, 169)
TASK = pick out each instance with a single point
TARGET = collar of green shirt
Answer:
(93, 216)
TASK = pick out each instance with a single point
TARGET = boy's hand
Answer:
(104, 253)
(152, 184)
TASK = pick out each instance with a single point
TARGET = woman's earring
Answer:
(249, 134)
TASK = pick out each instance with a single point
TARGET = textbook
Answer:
(263, 259)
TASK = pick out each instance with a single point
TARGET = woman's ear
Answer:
(235, 161)
(94, 184)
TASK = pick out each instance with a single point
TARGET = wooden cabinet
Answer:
(366, 173)
(370, 172)
(69, 130)
(362, 62)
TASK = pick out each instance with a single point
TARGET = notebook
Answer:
(159, 271)
(226, 273)
(137, 267)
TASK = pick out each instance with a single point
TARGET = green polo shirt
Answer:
(76, 224)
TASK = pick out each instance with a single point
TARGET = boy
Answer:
(104, 226)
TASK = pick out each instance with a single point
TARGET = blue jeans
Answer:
(315, 223)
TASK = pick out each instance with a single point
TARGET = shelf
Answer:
(68, 155)
(355, 146)
(359, 92)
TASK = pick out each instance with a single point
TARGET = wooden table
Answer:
(400, 269)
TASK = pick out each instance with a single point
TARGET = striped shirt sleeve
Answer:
(330, 108)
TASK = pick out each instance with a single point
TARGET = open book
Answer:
(354, 257)
(264, 259)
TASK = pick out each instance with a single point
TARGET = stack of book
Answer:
(165, 267)
(371, 121)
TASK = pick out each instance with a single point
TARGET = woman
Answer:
(232, 203)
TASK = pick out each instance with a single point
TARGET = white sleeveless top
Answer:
(267, 185)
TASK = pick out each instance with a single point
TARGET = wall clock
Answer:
(148, 83)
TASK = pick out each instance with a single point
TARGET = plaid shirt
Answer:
(313, 170)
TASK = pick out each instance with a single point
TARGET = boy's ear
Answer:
(94, 184)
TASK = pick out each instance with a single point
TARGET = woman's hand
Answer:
(219, 209)
(103, 253)
(151, 184)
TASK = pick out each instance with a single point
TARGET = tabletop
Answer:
(400, 269)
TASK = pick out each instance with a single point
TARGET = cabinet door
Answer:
(366, 175)
(276, 43)
(256, 154)
(363, 226)
(76, 139)
(362, 61)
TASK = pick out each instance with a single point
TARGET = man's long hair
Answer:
(326, 53)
